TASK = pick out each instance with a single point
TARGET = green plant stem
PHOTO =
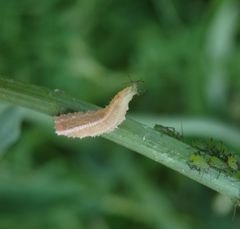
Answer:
(131, 134)
(202, 127)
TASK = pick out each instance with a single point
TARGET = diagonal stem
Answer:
(131, 134)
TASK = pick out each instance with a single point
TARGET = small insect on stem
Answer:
(233, 162)
(235, 206)
(94, 123)
(170, 131)
(218, 164)
(198, 162)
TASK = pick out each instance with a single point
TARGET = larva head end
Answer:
(137, 85)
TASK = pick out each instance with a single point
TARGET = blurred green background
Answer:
(188, 54)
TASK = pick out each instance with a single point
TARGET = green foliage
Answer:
(10, 119)
(187, 53)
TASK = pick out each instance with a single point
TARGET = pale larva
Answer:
(94, 123)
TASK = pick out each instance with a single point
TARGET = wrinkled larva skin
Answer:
(94, 123)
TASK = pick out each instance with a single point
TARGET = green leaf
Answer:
(10, 119)
(131, 134)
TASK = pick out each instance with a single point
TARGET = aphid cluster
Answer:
(208, 154)
(212, 154)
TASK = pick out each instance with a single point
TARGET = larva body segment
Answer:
(94, 123)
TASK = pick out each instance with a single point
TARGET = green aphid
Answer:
(203, 147)
(232, 162)
(237, 175)
(219, 151)
(212, 148)
(170, 131)
(217, 163)
(219, 148)
(198, 162)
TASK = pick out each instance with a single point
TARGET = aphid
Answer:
(198, 162)
(170, 131)
(94, 123)
(211, 148)
(234, 166)
(232, 162)
(217, 163)
(202, 147)
(217, 149)
(218, 158)
(237, 174)
(236, 205)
